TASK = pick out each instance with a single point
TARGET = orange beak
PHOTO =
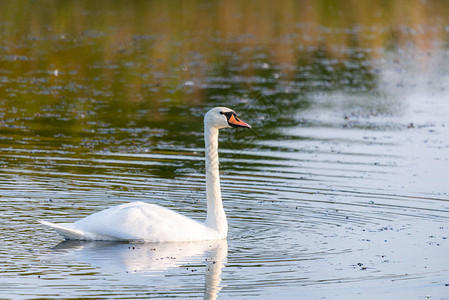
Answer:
(236, 122)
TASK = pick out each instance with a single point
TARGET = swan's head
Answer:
(222, 117)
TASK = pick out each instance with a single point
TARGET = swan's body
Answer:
(137, 221)
(153, 223)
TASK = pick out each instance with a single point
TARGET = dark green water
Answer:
(339, 191)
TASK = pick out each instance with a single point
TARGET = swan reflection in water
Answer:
(147, 258)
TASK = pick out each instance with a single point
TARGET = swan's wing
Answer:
(134, 221)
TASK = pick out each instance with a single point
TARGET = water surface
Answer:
(339, 191)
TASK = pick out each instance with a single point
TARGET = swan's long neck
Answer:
(216, 218)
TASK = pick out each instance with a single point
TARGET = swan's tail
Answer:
(65, 230)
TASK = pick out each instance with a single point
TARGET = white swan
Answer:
(152, 223)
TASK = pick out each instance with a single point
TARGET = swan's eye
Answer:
(226, 114)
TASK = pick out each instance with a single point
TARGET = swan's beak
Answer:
(234, 121)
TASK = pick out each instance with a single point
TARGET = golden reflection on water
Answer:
(79, 62)
(174, 41)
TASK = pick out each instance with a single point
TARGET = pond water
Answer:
(339, 191)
